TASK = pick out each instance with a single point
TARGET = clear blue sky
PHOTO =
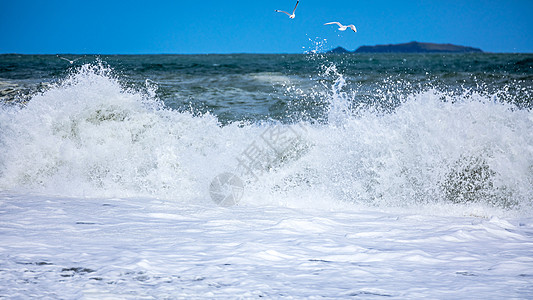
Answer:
(236, 26)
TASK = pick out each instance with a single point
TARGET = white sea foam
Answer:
(72, 248)
(90, 136)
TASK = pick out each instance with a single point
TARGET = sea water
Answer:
(407, 176)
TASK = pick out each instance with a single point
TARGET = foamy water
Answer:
(105, 194)
(89, 136)
(78, 248)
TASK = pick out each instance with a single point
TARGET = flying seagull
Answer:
(342, 27)
(290, 15)
(69, 60)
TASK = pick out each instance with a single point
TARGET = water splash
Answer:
(339, 100)
(89, 135)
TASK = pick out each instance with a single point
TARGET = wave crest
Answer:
(89, 135)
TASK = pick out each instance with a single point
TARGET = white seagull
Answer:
(342, 27)
(69, 60)
(290, 15)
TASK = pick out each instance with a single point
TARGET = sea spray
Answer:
(424, 148)
(90, 135)
(339, 101)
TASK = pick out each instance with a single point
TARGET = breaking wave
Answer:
(91, 136)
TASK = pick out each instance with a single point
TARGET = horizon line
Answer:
(260, 53)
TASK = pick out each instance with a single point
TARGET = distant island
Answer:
(412, 47)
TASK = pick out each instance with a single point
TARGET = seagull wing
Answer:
(277, 10)
(353, 28)
(336, 23)
(295, 6)
(64, 58)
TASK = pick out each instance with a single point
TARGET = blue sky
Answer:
(235, 26)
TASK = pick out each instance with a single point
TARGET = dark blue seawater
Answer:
(284, 87)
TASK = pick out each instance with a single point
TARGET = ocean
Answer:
(274, 176)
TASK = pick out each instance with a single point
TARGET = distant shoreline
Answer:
(411, 47)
